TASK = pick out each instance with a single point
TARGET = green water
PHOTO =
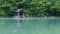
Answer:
(30, 26)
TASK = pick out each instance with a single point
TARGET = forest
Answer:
(33, 8)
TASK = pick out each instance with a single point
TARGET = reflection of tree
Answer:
(2, 21)
(7, 22)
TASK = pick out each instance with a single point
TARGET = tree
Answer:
(33, 8)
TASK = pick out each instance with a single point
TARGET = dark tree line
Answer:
(33, 8)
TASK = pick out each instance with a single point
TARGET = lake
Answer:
(30, 26)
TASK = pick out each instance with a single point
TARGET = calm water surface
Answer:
(30, 26)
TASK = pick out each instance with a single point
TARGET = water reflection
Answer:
(30, 26)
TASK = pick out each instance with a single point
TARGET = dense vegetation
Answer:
(39, 8)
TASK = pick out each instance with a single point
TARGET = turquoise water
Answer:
(30, 26)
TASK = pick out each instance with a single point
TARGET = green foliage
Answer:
(33, 8)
